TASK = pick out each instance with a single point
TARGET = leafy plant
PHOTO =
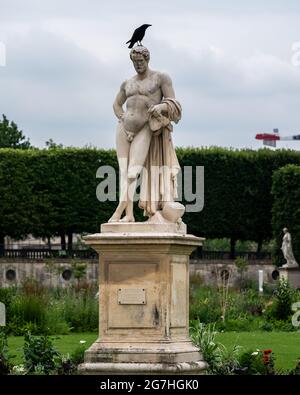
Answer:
(5, 365)
(11, 136)
(281, 308)
(39, 354)
(258, 362)
(66, 366)
(77, 356)
(203, 336)
(219, 358)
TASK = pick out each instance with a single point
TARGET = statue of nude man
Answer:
(143, 95)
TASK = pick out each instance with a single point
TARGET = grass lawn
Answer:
(285, 345)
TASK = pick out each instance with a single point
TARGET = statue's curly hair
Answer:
(140, 50)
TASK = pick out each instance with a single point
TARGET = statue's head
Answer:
(285, 230)
(140, 57)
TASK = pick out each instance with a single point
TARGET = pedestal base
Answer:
(143, 299)
(103, 368)
(143, 358)
(292, 274)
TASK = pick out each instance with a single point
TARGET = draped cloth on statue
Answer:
(159, 177)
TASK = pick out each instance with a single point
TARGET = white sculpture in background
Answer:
(144, 143)
(287, 250)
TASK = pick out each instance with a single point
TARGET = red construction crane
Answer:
(271, 138)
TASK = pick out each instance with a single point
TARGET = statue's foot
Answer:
(114, 218)
(127, 218)
(290, 265)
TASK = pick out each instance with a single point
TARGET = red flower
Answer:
(266, 352)
(266, 359)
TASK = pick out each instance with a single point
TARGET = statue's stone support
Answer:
(292, 275)
(144, 304)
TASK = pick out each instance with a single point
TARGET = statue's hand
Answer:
(157, 109)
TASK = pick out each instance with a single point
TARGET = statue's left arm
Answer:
(169, 106)
(167, 86)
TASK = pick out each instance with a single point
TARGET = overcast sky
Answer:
(230, 62)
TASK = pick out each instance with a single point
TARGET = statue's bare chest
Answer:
(147, 87)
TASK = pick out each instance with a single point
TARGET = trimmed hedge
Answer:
(286, 208)
(53, 192)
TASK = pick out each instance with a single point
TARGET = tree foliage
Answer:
(11, 136)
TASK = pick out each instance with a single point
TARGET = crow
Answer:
(138, 35)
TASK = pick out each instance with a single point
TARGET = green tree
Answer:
(11, 136)
(17, 198)
(51, 144)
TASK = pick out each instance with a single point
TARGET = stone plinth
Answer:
(143, 298)
(292, 274)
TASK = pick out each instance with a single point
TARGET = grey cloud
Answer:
(54, 87)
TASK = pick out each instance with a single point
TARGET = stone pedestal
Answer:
(143, 297)
(292, 274)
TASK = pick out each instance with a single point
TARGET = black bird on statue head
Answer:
(138, 35)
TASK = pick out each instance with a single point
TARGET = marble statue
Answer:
(287, 250)
(144, 144)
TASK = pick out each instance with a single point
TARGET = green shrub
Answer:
(258, 362)
(281, 325)
(77, 356)
(81, 312)
(57, 311)
(28, 310)
(242, 324)
(221, 361)
(253, 302)
(204, 304)
(5, 365)
(244, 309)
(281, 309)
(266, 326)
(203, 336)
(65, 366)
(55, 321)
(40, 356)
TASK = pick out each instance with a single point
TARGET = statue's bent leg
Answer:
(137, 157)
(123, 147)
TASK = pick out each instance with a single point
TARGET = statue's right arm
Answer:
(119, 101)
